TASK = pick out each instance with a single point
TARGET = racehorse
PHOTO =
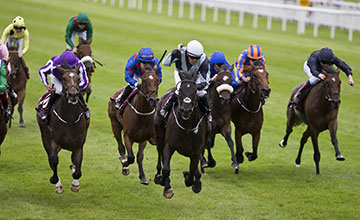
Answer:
(136, 121)
(83, 52)
(3, 127)
(219, 94)
(184, 132)
(17, 80)
(67, 128)
(320, 109)
(246, 109)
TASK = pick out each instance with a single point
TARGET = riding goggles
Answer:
(19, 28)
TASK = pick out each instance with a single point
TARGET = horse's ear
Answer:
(216, 67)
(155, 68)
(61, 69)
(231, 68)
(252, 63)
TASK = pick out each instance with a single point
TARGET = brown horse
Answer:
(246, 109)
(320, 110)
(83, 52)
(184, 132)
(17, 80)
(136, 121)
(219, 94)
(67, 128)
(3, 127)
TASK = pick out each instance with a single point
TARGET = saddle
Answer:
(128, 99)
(42, 104)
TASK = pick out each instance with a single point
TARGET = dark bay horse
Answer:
(246, 109)
(17, 81)
(83, 52)
(219, 94)
(136, 121)
(3, 127)
(320, 108)
(184, 132)
(67, 129)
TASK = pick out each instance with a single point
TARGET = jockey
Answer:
(144, 57)
(189, 58)
(4, 56)
(78, 25)
(313, 68)
(67, 58)
(17, 34)
(218, 58)
(242, 64)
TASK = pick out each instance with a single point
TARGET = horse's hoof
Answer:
(22, 125)
(196, 188)
(236, 171)
(54, 179)
(297, 165)
(59, 189)
(144, 181)
(123, 159)
(281, 144)
(168, 193)
(234, 166)
(212, 163)
(125, 171)
(188, 181)
(75, 188)
(204, 165)
(157, 179)
(340, 157)
(250, 156)
(240, 159)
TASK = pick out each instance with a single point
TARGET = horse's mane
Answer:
(258, 63)
(330, 69)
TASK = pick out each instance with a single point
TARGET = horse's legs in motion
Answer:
(130, 157)
(117, 128)
(52, 149)
(291, 118)
(332, 129)
(88, 92)
(139, 160)
(76, 158)
(21, 97)
(255, 143)
(211, 161)
(239, 148)
(314, 139)
(194, 172)
(167, 153)
(227, 136)
(303, 141)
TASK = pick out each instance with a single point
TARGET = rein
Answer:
(147, 98)
(66, 122)
(195, 129)
(243, 105)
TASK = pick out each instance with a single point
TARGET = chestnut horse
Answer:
(184, 132)
(17, 81)
(136, 121)
(320, 108)
(67, 129)
(219, 94)
(83, 52)
(246, 109)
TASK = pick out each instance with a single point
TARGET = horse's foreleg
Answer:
(314, 139)
(196, 188)
(189, 176)
(303, 141)
(21, 96)
(139, 160)
(255, 143)
(167, 153)
(88, 92)
(239, 146)
(211, 161)
(332, 129)
(117, 128)
(227, 135)
(76, 158)
(130, 155)
(158, 177)
(52, 150)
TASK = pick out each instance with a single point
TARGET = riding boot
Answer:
(206, 108)
(128, 89)
(300, 95)
(12, 94)
(7, 112)
(51, 102)
(26, 69)
(167, 106)
(87, 110)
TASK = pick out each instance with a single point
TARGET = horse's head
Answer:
(188, 98)
(150, 85)
(331, 85)
(14, 61)
(223, 82)
(83, 52)
(259, 78)
(70, 82)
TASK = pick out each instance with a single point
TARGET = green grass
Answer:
(269, 188)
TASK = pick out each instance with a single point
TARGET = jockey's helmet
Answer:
(68, 58)
(194, 49)
(19, 23)
(4, 53)
(217, 57)
(82, 18)
(146, 55)
(326, 55)
(254, 52)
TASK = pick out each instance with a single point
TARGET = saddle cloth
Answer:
(43, 104)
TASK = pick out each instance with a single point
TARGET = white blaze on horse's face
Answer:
(151, 77)
(225, 78)
(261, 70)
(72, 78)
(333, 79)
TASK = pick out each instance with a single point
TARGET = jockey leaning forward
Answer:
(218, 59)
(78, 25)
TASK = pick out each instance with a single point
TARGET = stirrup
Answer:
(163, 113)
(87, 114)
(117, 105)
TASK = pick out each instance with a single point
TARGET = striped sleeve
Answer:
(240, 66)
(44, 71)
(84, 81)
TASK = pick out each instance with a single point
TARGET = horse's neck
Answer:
(317, 98)
(67, 110)
(141, 103)
(250, 98)
(192, 121)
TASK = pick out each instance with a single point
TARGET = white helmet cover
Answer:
(194, 48)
